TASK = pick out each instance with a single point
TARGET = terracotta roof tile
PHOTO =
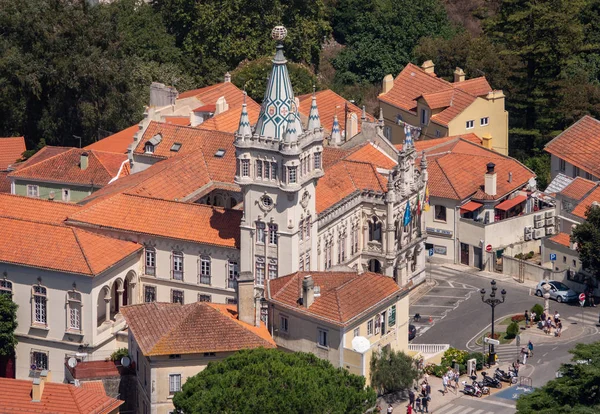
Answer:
(190, 138)
(61, 248)
(562, 238)
(578, 188)
(10, 151)
(118, 142)
(581, 208)
(329, 104)
(209, 94)
(578, 145)
(426, 144)
(332, 155)
(459, 101)
(344, 295)
(34, 209)
(43, 154)
(94, 386)
(370, 154)
(56, 398)
(177, 120)
(5, 186)
(64, 167)
(94, 369)
(170, 219)
(229, 120)
(475, 86)
(168, 328)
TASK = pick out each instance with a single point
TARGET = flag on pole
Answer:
(407, 214)
(426, 199)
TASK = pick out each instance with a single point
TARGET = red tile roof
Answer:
(190, 139)
(35, 209)
(170, 328)
(423, 145)
(210, 94)
(61, 248)
(94, 386)
(581, 208)
(56, 398)
(413, 82)
(369, 153)
(65, 167)
(344, 295)
(4, 182)
(578, 188)
(94, 369)
(562, 238)
(10, 151)
(43, 154)
(229, 120)
(578, 145)
(118, 142)
(329, 104)
(170, 219)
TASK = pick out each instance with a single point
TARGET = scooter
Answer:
(509, 376)
(485, 390)
(472, 389)
(490, 381)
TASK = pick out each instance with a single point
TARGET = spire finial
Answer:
(381, 122)
(314, 121)
(244, 129)
(336, 136)
(279, 33)
(363, 115)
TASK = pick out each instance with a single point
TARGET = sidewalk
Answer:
(490, 275)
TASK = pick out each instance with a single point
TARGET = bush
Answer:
(512, 330)
(453, 355)
(479, 357)
(118, 354)
(518, 318)
(496, 335)
(538, 309)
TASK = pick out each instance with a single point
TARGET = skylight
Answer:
(176, 147)
(220, 153)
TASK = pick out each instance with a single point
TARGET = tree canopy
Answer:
(393, 371)
(576, 392)
(587, 237)
(272, 381)
(8, 325)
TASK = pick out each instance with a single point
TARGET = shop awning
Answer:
(508, 204)
(470, 206)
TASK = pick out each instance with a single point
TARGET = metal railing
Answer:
(428, 348)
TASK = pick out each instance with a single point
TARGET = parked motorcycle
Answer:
(509, 376)
(473, 390)
(485, 390)
(490, 381)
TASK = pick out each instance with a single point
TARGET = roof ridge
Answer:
(72, 389)
(188, 308)
(87, 262)
(48, 223)
(196, 205)
(436, 160)
(291, 279)
(36, 199)
(101, 163)
(44, 160)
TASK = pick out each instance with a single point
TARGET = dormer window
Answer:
(149, 148)
(152, 143)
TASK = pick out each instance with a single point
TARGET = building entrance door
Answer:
(477, 258)
(464, 254)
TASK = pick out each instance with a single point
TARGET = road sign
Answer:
(488, 248)
(552, 257)
(582, 299)
(491, 341)
(430, 252)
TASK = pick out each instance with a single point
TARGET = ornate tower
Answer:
(278, 165)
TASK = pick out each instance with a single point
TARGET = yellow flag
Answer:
(426, 199)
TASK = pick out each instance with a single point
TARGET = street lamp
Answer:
(493, 302)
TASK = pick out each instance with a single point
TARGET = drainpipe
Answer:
(456, 239)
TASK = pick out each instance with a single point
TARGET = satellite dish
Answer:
(125, 361)
(361, 344)
(72, 362)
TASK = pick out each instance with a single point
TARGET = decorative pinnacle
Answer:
(279, 33)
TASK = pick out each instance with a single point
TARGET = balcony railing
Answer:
(204, 279)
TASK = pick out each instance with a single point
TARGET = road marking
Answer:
(487, 401)
(450, 297)
(545, 354)
(455, 409)
(539, 361)
(450, 283)
(467, 409)
(432, 306)
(554, 348)
(478, 411)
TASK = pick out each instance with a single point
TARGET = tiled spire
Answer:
(291, 132)
(279, 96)
(244, 129)
(314, 121)
(336, 136)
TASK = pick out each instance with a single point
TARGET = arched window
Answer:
(74, 311)
(375, 230)
(39, 305)
(6, 288)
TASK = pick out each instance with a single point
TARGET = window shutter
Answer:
(199, 268)
(171, 259)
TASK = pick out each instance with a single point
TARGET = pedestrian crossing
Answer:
(507, 352)
(461, 409)
(588, 318)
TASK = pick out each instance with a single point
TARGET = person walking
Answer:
(427, 389)
(558, 328)
(445, 384)
(425, 403)
(411, 398)
(556, 317)
(409, 409)
(530, 347)
(419, 407)
(527, 319)
(456, 378)
(549, 325)
(524, 353)
(390, 409)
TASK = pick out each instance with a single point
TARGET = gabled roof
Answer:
(578, 145)
(56, 398)
(171, 328)
(10, 151)
(94, 369)
(562, 238)
(64, 167)
(413, 82)
(169, 219)
(425, 144)
(43, 154)
(190, 139)
(558, 183)
(581, 208)
(210, 94)
(330, 104)
(371, 154)
(578, 188)
(229, 120)
(118, 142)
(343, 297)
(60, 248)
(35, 209)
(4, 182)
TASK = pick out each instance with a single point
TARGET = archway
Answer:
(103, 306)
(374, 266)
(115, 295)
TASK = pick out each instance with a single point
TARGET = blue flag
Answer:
(407, 214)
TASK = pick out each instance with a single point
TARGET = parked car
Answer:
(558, 291)
(412, 332)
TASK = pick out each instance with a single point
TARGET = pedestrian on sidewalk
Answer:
(409, 409)
(524, 353)
(556, 317)
(558, 328)
(411, 398)
(425, 403)
(515, 366)
(456, 378)
(427, 389)
(390, 409)
(549, 325)
(418, 407)
(533, 316)
(543, 319)
(527, 319)
(530, 346)
(445, 384)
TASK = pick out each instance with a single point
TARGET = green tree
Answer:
(587, 237)
(272, 381)
(8, 325)
(380, 35)
(392, 371)
(252, 76)
(575, 392)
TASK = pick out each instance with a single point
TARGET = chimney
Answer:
(428, 67)
(221, 105)
(227, 77)
(352, 126)
(459, 75)
(510, 177)
(487, 141)
(308, 291)
(388, 84)
(37, 389)
(490, 179)
(83, 160)
(245, 298)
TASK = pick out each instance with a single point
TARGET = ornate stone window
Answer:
(177, 296)
(273, 269)
(39, 305)
(375, 229)
(260, 271)
(245, 168)
(74, 305)
(260, 232)
(317, 159)
(150, 253)
(204, 270)
(149, 294)
(177, 265)
(233, 272)
(272, 233)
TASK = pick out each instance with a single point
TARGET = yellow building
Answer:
(343, 317)
(440, 108)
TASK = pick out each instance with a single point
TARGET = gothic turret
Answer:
(314, 122)
(244, 129)
(336, 135)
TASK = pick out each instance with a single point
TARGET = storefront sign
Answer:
(440, 250)
(439, 232)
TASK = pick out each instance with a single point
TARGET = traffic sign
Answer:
(488, 248)
(491, 341)
(552, 257)
(582, 299)
(431, 252)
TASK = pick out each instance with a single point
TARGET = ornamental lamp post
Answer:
(493, 302)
